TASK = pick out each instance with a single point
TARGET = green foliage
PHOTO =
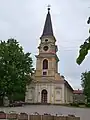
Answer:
(83, 51)
(74, 104)
(18, 96)
(85, 79)
(88, 22)
(87, 105)
(84, 48)
(15, 68)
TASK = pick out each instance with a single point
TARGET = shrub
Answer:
(74, 104)
(81, 103)
(87, 105)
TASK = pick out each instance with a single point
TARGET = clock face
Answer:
(45, 48)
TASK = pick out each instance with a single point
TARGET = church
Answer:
(48, 86)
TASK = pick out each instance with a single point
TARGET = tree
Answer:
(85, 78)
(15, 69)
(84, 48)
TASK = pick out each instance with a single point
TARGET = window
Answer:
(45, 73)
(46, 40)
(45, 64)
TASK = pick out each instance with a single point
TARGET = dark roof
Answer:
(78, 91)
(48, 30)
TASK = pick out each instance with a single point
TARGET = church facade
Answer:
(47, 85)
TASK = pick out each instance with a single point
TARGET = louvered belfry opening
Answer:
(45, 64)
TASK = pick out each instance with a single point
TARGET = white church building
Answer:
(48, 86)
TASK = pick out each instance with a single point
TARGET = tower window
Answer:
(44, 73)
(45, 64)
(46, 40)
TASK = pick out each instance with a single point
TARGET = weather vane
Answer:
(49, 7)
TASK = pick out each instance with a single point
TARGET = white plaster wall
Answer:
(42, 86)
(26, 95)
(38, 64)
(30, 93)
(68, 94)
(59, 98)
(63, 100)
(52, 93)
(36, 94)
(50, 87)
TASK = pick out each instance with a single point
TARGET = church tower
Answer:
(47, 60)
(47, 85)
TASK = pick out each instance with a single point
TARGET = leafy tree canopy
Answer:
(84, 48)
(85, 79)
(15, 68)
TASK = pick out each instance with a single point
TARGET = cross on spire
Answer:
(49, 7)
(48, 30)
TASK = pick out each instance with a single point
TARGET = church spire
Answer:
(48, 30)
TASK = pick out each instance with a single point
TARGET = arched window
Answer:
(45, 64)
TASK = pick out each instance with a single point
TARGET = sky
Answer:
(24, 20)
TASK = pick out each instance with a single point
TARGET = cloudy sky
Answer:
(24, 21)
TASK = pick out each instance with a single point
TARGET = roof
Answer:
(56, 82)
(48, 30)
(68, 85)
(78, 91)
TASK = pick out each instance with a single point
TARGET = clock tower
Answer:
(47, 85)
(47, 60)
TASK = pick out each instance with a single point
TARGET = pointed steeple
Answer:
(48, 30)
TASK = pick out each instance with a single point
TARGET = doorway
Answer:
(44, 96)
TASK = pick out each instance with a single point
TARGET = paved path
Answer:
(84, 113)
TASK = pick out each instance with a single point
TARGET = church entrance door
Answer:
(44, 96)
